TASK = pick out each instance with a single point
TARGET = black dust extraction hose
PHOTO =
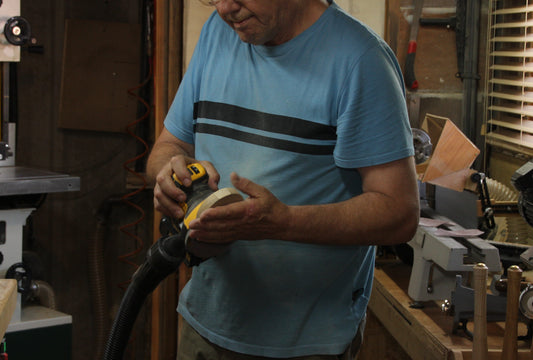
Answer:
(162, 259)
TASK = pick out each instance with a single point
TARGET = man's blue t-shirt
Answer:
(299, 119)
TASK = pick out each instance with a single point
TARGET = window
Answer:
(509, 87)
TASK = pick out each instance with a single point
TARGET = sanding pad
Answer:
(220, 197)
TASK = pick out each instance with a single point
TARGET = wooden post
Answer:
(510, 346)
(480, 346)
(168, 36)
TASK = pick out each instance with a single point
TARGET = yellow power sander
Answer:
(201, 197)
(166, 254)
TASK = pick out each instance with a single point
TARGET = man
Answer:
(301, 108)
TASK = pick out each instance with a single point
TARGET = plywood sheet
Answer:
(452, 156)
(101, 61)
(8, 302)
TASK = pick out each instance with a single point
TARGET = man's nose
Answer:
(227, 6)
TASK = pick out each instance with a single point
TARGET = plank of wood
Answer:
(408, 326)
(452, 156)
(510, 346)
(100, 64)
(8, 302)
(493, 354)
(167, 75)
(480, 348)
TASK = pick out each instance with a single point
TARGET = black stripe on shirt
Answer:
(276, 124)
(265, 141)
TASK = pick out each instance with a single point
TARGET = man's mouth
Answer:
(240, 23)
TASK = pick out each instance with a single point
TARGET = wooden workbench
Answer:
(8, 302)
(409, 333)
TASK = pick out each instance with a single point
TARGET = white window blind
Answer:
(509, 115)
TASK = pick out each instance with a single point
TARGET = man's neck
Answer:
(312, 10)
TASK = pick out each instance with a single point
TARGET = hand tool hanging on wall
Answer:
(409, 71)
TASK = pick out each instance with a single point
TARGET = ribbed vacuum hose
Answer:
(97, 286)
(163, 258)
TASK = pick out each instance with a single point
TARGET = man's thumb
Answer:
(244, 185)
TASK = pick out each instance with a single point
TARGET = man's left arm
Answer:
(385, 213)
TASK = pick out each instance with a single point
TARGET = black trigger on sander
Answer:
(201, 197)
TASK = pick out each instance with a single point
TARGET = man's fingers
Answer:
(178, 165)
(168, 208)
(166, 202)
(214, 176)
(245, 185)
(236, 210)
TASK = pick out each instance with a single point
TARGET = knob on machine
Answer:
(17, 31)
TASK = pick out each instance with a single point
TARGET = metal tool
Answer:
(410, 78)
(422, 145)
(438, 259)
(525, 302)
(201, 197)
(462, 307)
(486, 206)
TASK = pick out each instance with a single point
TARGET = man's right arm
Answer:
(169, 155)
(165, 148)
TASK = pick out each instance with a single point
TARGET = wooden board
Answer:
(452, 156)
(8, 302)
(167, 75)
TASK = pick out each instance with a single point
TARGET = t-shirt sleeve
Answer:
(373, 125)
(180, 118)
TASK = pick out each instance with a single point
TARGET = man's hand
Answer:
(167, 195)
(260, 216)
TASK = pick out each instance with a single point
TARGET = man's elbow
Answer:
(408, 224)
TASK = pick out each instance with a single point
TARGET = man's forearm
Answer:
(159, 157)
(166, 147)
(369, 219)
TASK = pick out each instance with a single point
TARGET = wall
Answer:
(64, 227)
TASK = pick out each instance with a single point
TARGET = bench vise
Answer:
(438, 259)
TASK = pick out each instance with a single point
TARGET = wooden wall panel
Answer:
(167, 75)
(101, 59)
